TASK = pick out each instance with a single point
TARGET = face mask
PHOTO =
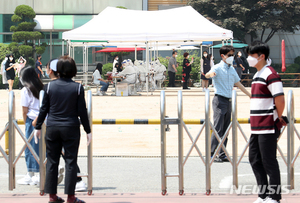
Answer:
(205, 55)
(240, 54)
(47, 75)
(175, 56)
(229, 60)
(117, 58)
(252, 61)
(11, 58)
(188, 56)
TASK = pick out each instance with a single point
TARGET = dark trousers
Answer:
(78, 169)
(56, 138)
(262, 157)
(171, 79)
(222, 117)
(186, 80)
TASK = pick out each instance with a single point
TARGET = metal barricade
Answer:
(12, 159)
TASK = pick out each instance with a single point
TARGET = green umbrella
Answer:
(235, 45)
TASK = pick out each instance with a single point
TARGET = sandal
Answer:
(58, 200)
(77, 201)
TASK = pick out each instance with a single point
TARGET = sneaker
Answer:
(218, 160)
(26, 180)
(80, 186)
(60, 176)
(270, 200)
(103, 93)
(99, 93)
(35, 180)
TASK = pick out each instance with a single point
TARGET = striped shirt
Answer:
(266, 85)
(224, 79)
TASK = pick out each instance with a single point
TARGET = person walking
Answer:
(186, 69)
(63, 102)
(266, 108)
(172, 69)
(22, 63)
(3, 72)
(30, 108)
(206, 64)
(224, 78)
(38, 66)
(10, 67)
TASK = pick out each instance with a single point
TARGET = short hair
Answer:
(66, 67)
(39, 55)
(226, 49)
(66, 54)
(7, 55)
(174, 52)
(259, 47)
(185, 54)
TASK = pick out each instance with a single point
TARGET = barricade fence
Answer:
(164, 122)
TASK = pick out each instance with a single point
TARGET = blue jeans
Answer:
(32, 165)
(104, 86)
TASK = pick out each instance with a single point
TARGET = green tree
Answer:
(4, 49)
(248, 17)
(23, 35)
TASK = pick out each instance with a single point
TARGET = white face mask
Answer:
(252, 61)
(229, 60)
(240, 54)
(205, 55)
(117, 58)
(11, 58)
(188, 56)
(175, 56)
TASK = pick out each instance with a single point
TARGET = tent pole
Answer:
(222, 42)
(69, 43)
(135, 53)
(62, 47)
(147, 66)
(87, 64)
(231, 41)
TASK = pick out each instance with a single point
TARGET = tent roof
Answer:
(235, 45)
(172, 25)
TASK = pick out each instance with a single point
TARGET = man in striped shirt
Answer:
(266, 107)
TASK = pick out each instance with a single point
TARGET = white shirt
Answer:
(96, 76)
(29, 101)
(114, 69)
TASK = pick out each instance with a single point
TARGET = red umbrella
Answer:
(120, 49)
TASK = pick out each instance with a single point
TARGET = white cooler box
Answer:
(122, 89)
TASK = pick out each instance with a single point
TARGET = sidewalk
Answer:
(147, 198)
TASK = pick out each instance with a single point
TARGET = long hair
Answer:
(99, 68)
(29, 78)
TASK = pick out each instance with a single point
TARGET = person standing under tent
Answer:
(224, 78)
(63, 102)
(30, 108)
(186, 69)
(266, 108)
(10, 67)
(239, 64)
(114, 65)
(38, 66)
(206, 64)
(172, 69)
(3, 72)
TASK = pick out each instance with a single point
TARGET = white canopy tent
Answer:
(178, 25)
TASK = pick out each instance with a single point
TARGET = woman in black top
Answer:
(10, 71)
(206, 65)
(63, 102)
(186, 69)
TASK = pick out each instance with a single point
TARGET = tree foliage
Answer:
(251, 16)
(24, 37)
